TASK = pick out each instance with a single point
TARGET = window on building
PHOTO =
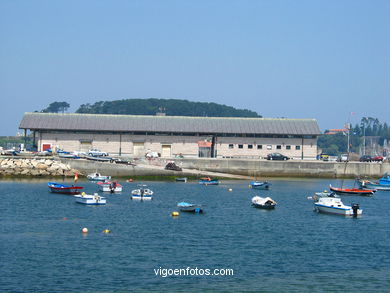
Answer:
(250, 146)
(231, 146)
(288, 147)
(297, 147)
(278, 147)
(240, 146)
(259, 147)
(269, 147)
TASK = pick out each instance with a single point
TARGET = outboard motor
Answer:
(355, 207)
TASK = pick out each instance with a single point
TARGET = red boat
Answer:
(64, 189)
(352, 191)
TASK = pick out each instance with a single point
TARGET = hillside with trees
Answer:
(369, 136)
(171, 107)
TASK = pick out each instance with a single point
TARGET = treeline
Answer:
(171, 107)
(369, 127)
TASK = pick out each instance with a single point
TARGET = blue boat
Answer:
(260, 185)
(208, 181)
(189, 207)
(383, 184)
(64, 189)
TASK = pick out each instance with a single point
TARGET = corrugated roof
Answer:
(180, 124)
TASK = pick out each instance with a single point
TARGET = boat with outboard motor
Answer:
(142, 193)
(190, 207)
(89, 199)
(64, 189)
(334, 205)
(265, 185)
(110, 186)
(263, 202)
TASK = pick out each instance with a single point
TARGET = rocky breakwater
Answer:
(34, 167)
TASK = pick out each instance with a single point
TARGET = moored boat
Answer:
(110, 186)
(89, 199)
(383, 184)
(190, 207)
(263, 202)
(64, 189)
(352, 191)
(182, 179)
(260, 185)
(334, 205)
(142, 193)
(208, 181)
(98, 177)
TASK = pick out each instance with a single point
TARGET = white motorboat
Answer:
(98, 177)
(142, 193)
(334, 205)
(263, 202)
(89, 199)
(110, 186)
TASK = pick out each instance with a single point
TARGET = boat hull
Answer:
(260, 185)
(91, 200)
(213, 182)
(64, 189)
(264, 206)
(353, 191)
(138, 197)
(336, 210)
(373, 185)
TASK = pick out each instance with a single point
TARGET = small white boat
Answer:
(110, 186)
(89, 199)
(142, 193)
(263, 202)
(265, 185)
(98, 177)
(334, 205)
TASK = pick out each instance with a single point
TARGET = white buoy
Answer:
(84, 230)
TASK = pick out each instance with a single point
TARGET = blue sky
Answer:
(296, 59)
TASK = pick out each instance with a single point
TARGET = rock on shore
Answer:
(34, 167)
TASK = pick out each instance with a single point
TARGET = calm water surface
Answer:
(289, 249)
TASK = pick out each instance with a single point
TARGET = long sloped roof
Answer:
(178, 124)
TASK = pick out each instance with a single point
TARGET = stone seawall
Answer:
(34, 167)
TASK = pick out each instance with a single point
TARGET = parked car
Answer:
(343, 158)
(365, 158)
(97, 153)
(378, 159)
(277, 156)
(172, 166)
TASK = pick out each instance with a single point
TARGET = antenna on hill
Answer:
(161, 111)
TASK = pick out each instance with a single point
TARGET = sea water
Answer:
(289, 249)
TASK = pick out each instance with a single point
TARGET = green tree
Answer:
(57, 107)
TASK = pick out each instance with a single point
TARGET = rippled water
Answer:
(289, 249)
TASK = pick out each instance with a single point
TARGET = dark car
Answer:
(277, 156)
(365, 158)
(172, 166)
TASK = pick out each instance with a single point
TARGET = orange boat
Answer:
(352, 191)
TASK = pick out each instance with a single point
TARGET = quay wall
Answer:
(293, 168)
(14, 166)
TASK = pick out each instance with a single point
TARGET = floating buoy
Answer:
(230, 189)
(175, 214)
(129, 180)
(249, 186)
(64, 218)
(106, 231)
(84, 230)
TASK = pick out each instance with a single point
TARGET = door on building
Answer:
(166, 151)
(138, 149)
(204, 149)
(85, 146)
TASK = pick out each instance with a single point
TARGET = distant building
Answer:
(172, 135)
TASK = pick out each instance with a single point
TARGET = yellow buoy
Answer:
(84, 230)
(106, 231)
(175, 214)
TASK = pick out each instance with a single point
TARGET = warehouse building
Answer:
(171, 136)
